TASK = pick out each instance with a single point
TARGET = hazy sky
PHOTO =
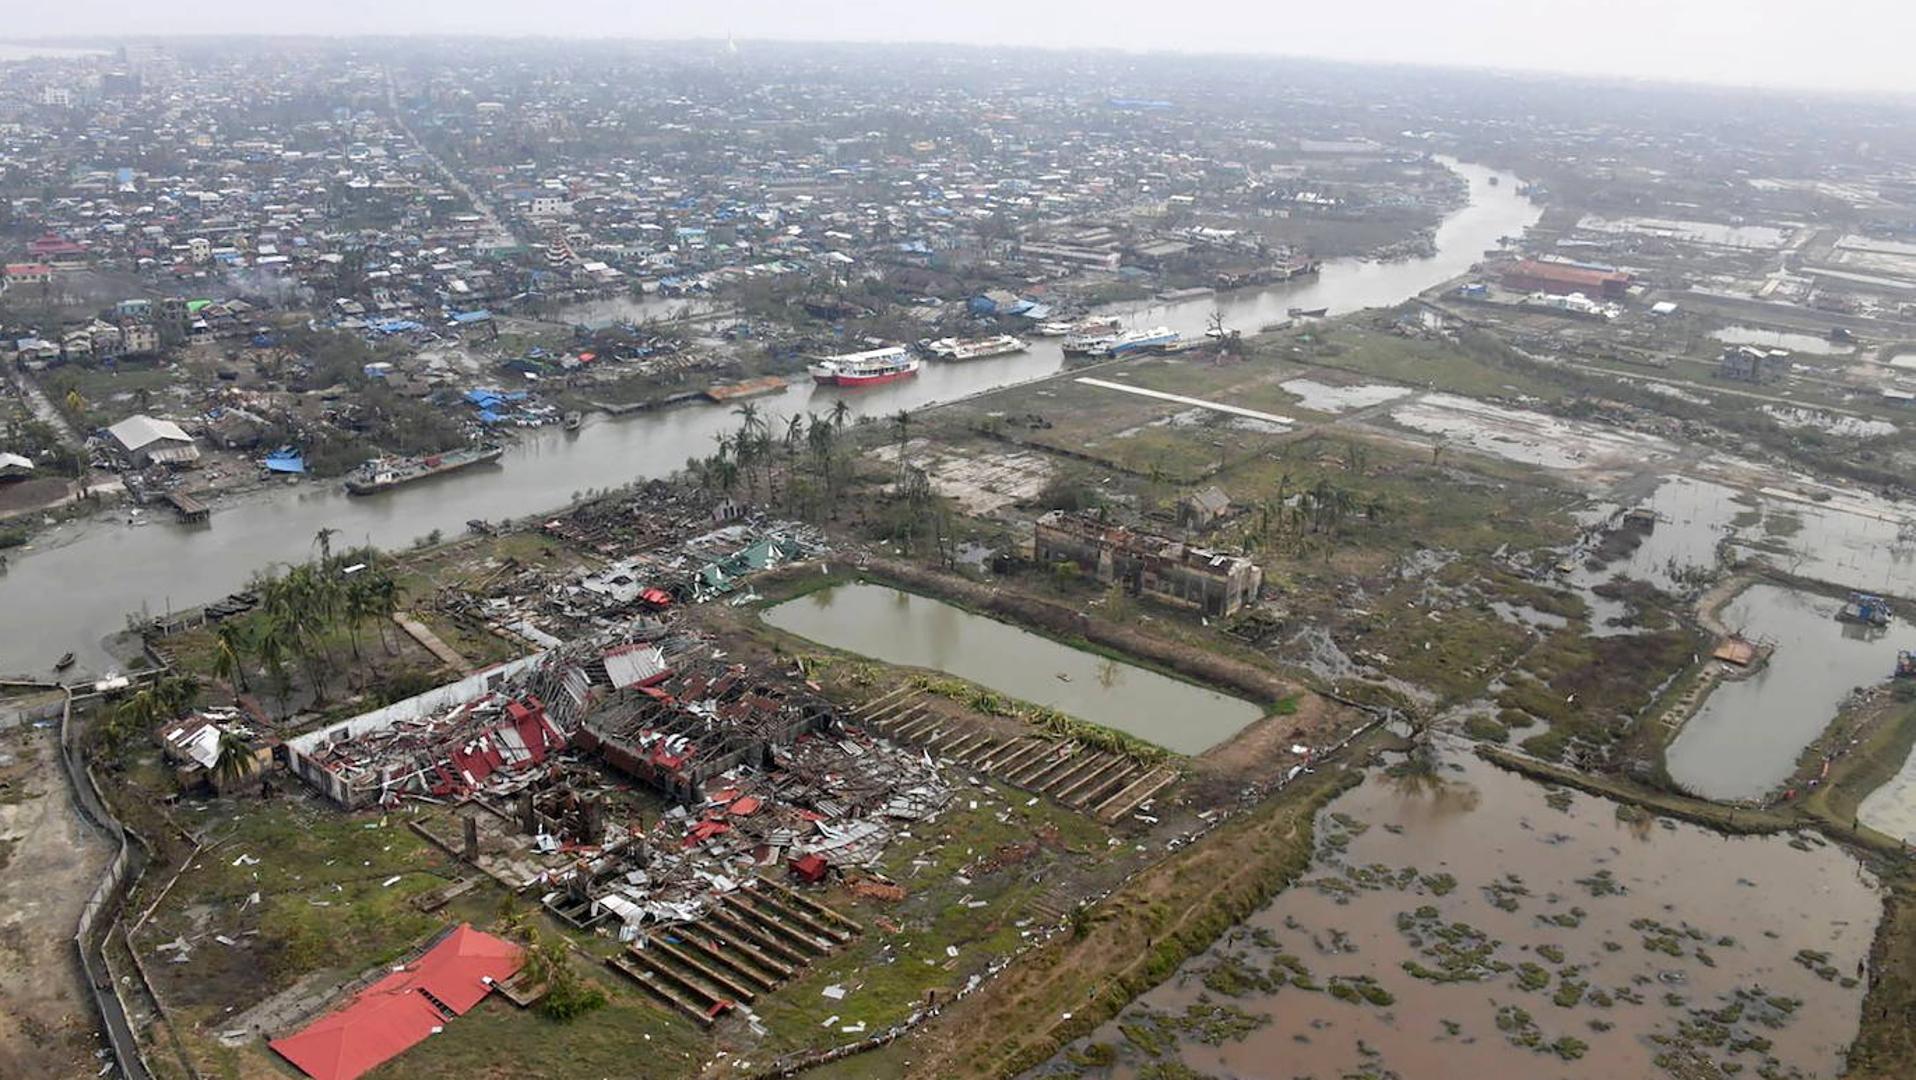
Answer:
(1836, 44)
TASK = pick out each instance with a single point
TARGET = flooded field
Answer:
(1326, 398)
(1782, 339)
(1849, 427)
(1480, 925)
(1891, 808)
(1746, 737)
(1531, 438)
(901, 628)
(1695, 232)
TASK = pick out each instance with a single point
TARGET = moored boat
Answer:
(1131, 341)
(975, 349)
(1091, 324)
(384, 474)
(1309, 313)
(865, 368)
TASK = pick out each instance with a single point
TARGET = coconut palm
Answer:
(272, 645)
(323, 540)
(229, 659)
(233, 762)
(901, 422)
(841, 412)
(749, 420)
(388, 596)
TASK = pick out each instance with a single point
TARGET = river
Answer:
(77, 585)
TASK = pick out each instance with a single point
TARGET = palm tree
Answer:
(794, 433)
(749, 421)
(841, 411)
(139, 712)
(388, 596)
(901, 422)
(272, 645)
(231, 643)
(323, 540)
(360, 604)
(233, 763)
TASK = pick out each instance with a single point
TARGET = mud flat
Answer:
(1471, 922)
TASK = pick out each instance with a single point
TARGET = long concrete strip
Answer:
(1214, 406)
(421, 633)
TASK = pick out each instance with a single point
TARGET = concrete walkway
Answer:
(423, 635)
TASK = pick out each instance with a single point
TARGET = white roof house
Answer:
(145, 438)
(12, 465)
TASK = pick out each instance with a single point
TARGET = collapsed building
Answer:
(1170, 571)
(488, 732)
(704, 567)
(677, 731)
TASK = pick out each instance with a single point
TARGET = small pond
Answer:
(902, 628)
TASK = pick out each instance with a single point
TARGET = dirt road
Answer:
(49, 863)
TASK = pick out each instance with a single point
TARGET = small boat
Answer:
(1309, 313)
(63, 663)
(573, 420)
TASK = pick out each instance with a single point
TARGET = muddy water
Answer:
(1745, 739)
(1324, 397)
(1610, 915)
(901, 628)
(1693, 517)
(1782, 339)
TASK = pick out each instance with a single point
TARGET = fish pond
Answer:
(1466, 922)
(916, 631)
(1747, 735)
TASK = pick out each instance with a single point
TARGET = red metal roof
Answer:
(397, 1012)
(1569, 275)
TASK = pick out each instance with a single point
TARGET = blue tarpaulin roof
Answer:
(285, 461)
(487, 416)
(396, 326)
(472, 316)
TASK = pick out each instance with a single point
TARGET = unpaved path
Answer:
(49, 862)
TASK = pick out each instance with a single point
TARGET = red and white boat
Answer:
(865, 368)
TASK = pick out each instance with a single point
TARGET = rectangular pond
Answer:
(902, 628)
(1745, 739)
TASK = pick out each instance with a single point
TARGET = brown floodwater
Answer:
(1580, 942)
